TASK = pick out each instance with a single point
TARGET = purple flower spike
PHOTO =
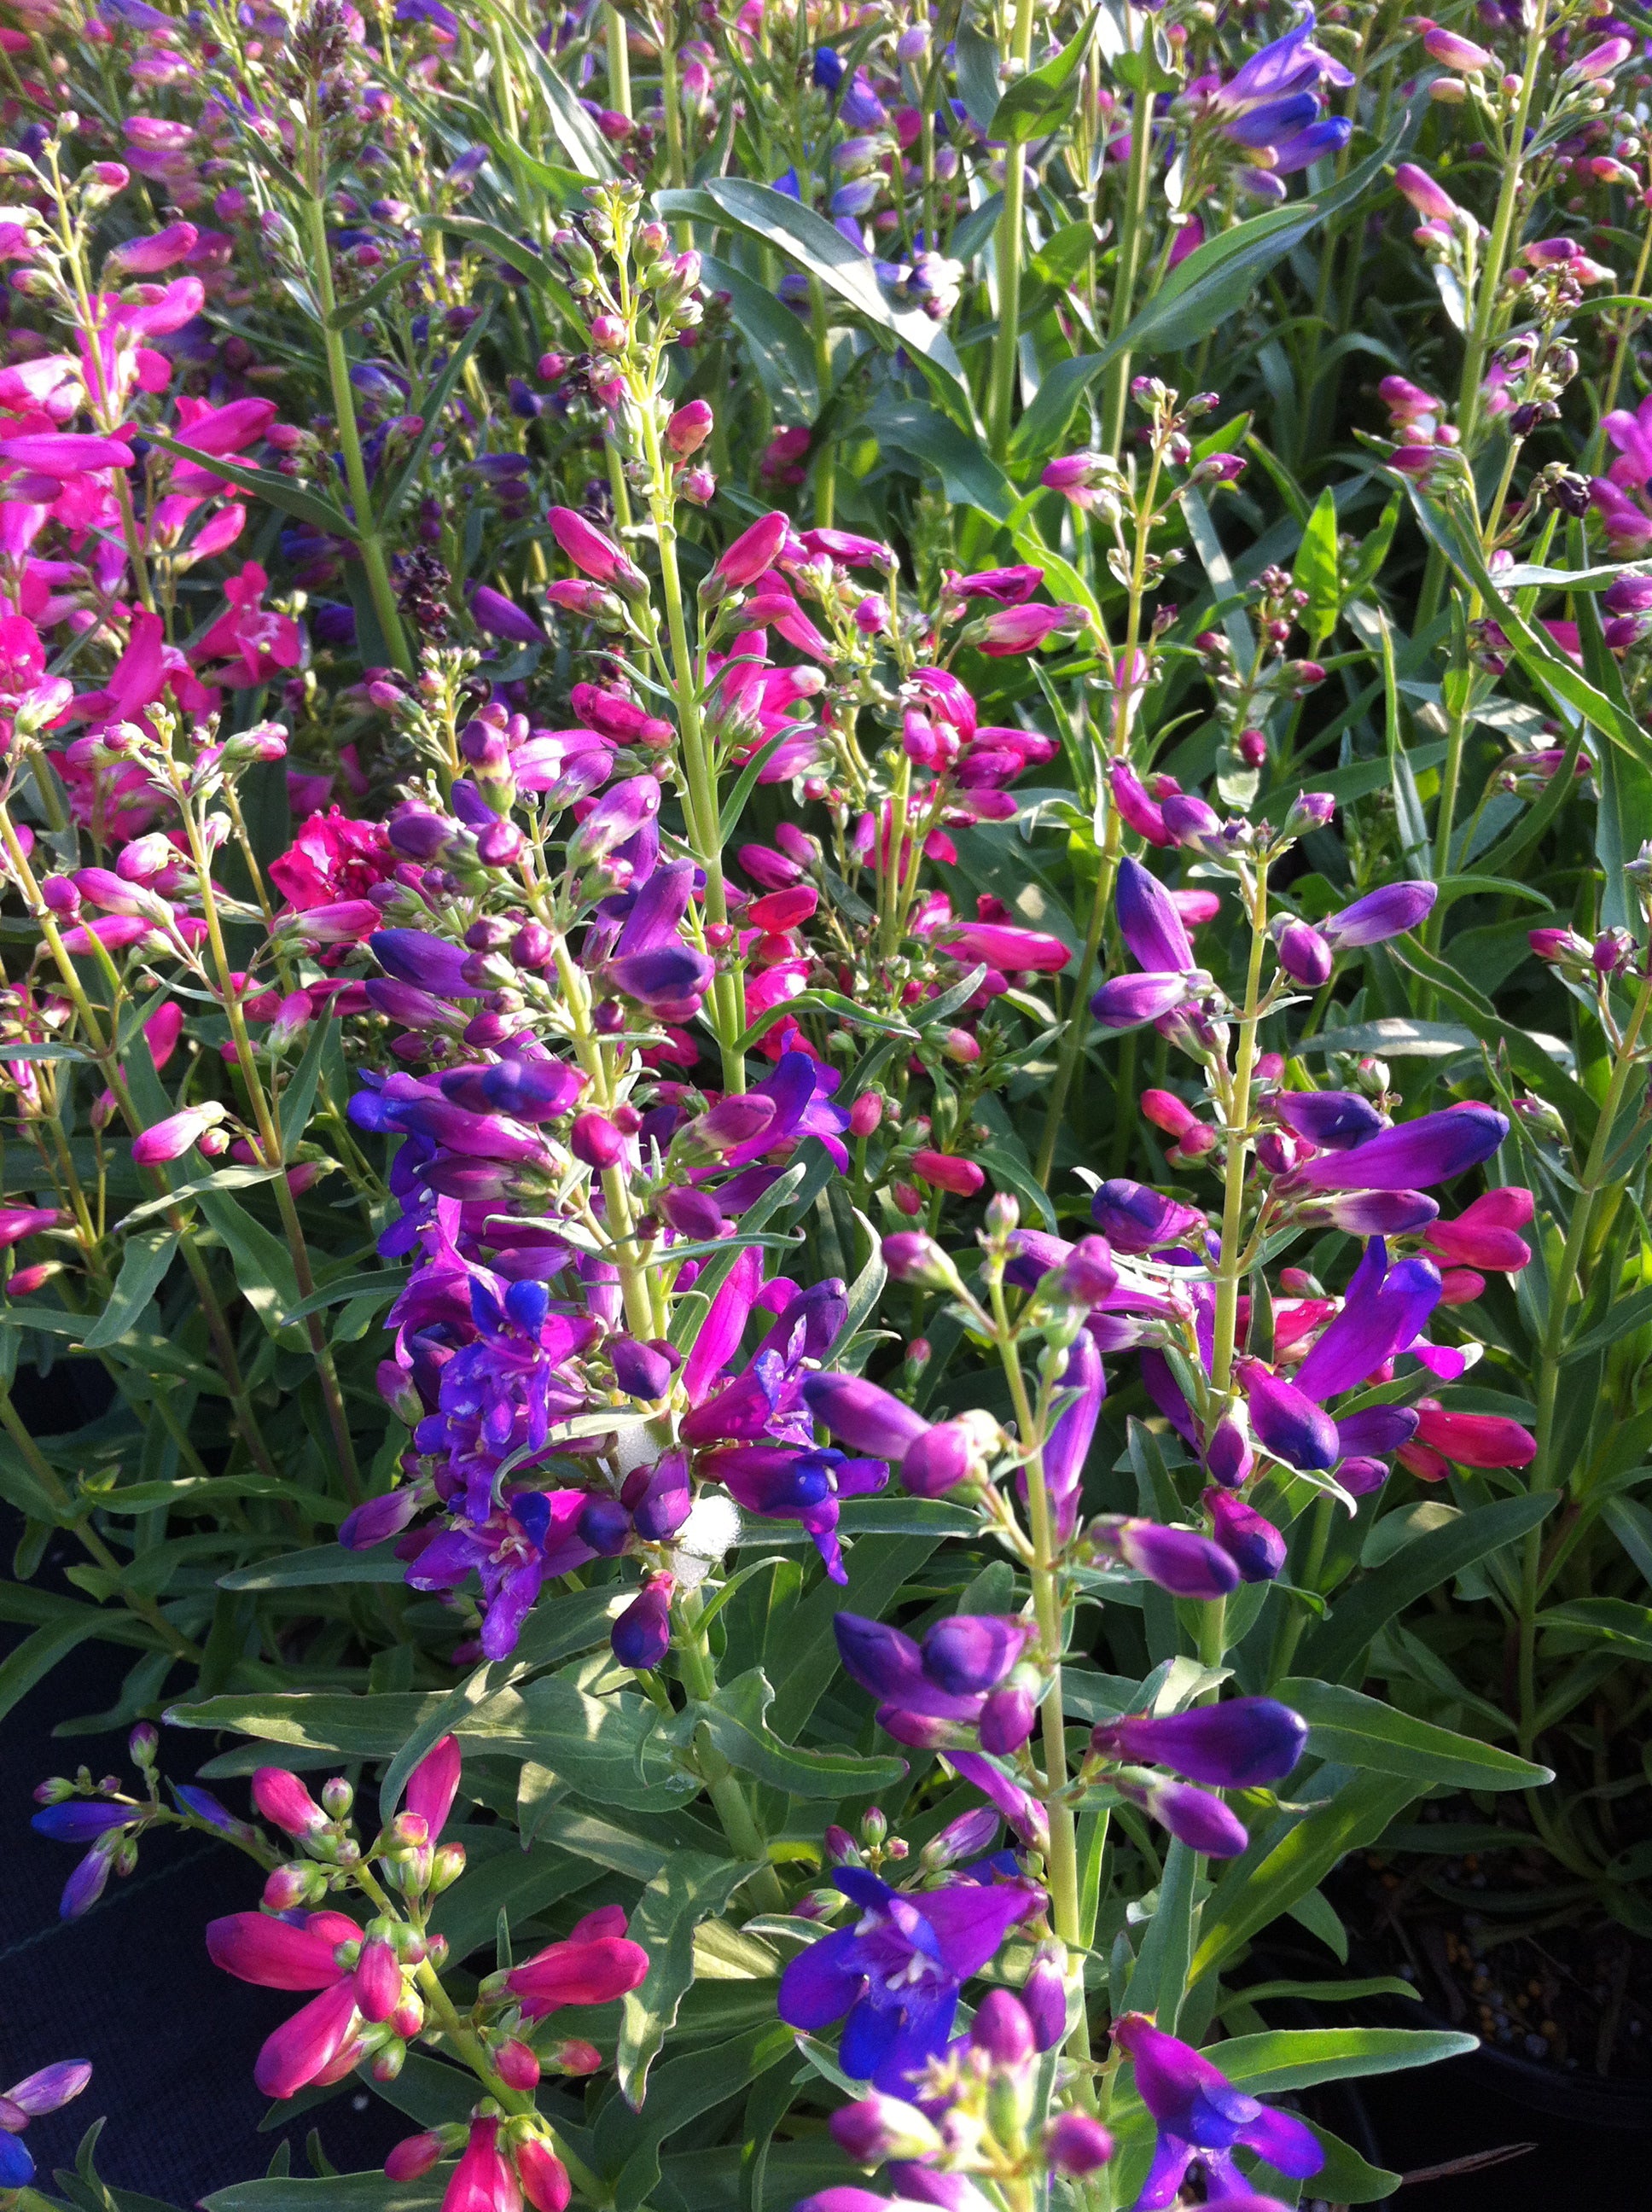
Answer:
(1242, 1745)
(1284, 1422)
(1332, 1121)
(1248, 1538)
(1382, 914)
(1432, 1149)
(1199, 2114)
(1150, 923)
(1135, 1219)
(863, 1417)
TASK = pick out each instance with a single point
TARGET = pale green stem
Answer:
(1005, 349)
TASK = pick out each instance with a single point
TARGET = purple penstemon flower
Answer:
(1432, 1149)
(1201, 2115)
(1245, 1744)
(894, 1978)
(47, 2091)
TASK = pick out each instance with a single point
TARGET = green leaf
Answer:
(735, 1720)
(777, 343)
(692, 1886)
(1613, 1621)
(264, 483)
(1360, 1610)
(33, 1659)
(1364, 1732)
(341, 2192)
(298, 1098)
(379, 1284)
(1038, 102)
(1265, 1881)
(1316, 571)
(143, 1267)
(231, 1178)
(626, 2144)
(1285, 2058)
(969, 476)
(432, 405)
(315, 1568)
(262, 1262)
(746, 782)
(819, 250)
(450, 1713)
(826, 1002)
(877, 1572)
(977, 64)
(349, 311)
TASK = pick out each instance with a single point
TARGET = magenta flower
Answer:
(593, 1965)
(299, 1954)
(171, 1138)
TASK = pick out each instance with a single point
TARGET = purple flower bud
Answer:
(82, 1821)
(877, 2128)
(966, 1838)
(1379, 1212)
(941, 1459)
(659, 1497)
(641, 1636)
(527, 1090)
(1006, 1719)
(692, 1213)
(1178, 1559)
(1376, 1431)
(605, 1526)
(1150, 923)
(1248, 1538)
(1076, 2144)
(1044, 1994)
(735, 1121)
(1228, 1454)
(1284, 1422)
(1086, 1277)
(1432, 1149)
(52, 2088)
(1360, 1477)
(973, 1651)
(1194, 1817)
(1002, 2029)
(1136, 1218)
(1188, 818)
(501, 617)
(595, 1141)
(378, 1519)
(863, 1417)
(640, 1369)
(1127, 1001)
(1380, 914)
(429, 964)
(1303, 953)
(84, 1886)
(1332, 1121)
(1241, 1745)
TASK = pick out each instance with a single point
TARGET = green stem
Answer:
(698, 771)
(368, 540)
(1006, 346)
(1545, 1474)
(1238, 1118)
(722, 1784)
(1062, 1856)
(619, 63)
(1127, 267)
(1290, 1631)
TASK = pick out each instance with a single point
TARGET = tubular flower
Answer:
(1200, 2115)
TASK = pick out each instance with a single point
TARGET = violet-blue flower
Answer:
(1244, 1744)
(894, 1978)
